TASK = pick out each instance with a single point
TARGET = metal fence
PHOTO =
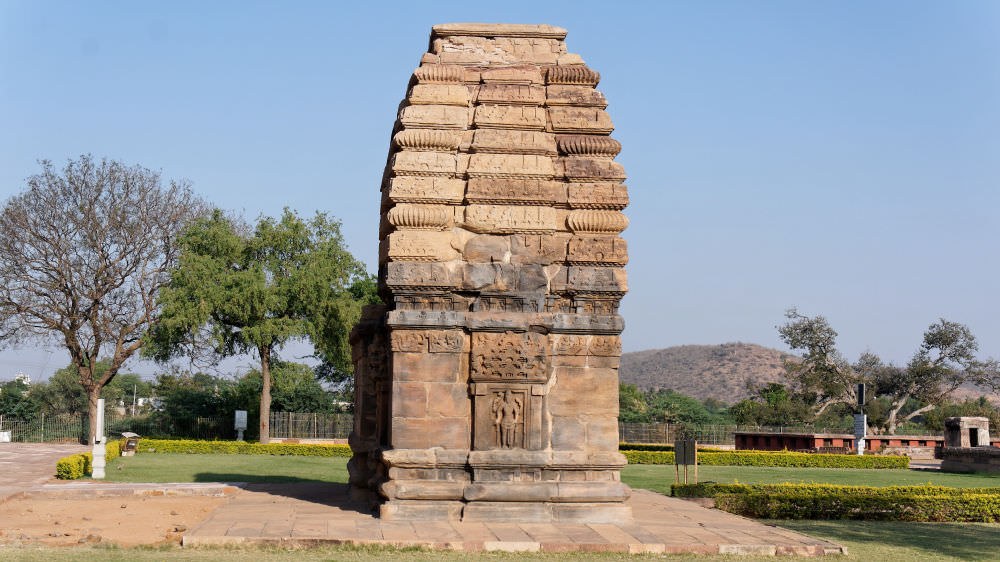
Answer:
(75, 428)
(292, 425)
(707, 434)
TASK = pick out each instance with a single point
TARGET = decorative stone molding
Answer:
(597, 195)
(498, 30)
(440, 74)
(425, 164)
(573, 75)
(602, 222)
(512, 191)
(435, 117)
(588, 145)
(511, 94)
(419, 217)
(505, 141)
(580, 120)
(508, 357)
(503, 219)
(597, 250)
(519, 75)
(510, 117)
(527, 166)
(577, 96)
(441, 94)
(428, 139)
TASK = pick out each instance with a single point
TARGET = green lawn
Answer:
(660, 477)
(178, 467)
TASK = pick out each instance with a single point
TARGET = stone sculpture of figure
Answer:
(507, 412)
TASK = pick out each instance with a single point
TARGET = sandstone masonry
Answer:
(487, 387)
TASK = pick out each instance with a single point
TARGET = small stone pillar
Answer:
(967, 432)
(98, 461)
(487, 386)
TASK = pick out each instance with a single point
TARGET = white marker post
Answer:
(98, 463)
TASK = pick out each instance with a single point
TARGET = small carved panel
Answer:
(566, 344)
(597, 250)
(508, 416)
(509, 356)
(605, 346)
(446, 341)
(417, 189)
(516, 191)
(500, 219)
(412, 341)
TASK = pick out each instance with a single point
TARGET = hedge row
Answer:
(241, 448)
(835, 505)
(773, 458)
(713, 490)
(81, 464)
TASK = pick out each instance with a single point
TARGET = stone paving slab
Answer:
(86, 490)
(23, 465)
(308, 514)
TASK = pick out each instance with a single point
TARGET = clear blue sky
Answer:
(842, 157)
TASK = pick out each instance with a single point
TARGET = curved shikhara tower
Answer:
(487, 387)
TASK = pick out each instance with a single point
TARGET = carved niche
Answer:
(508, 372)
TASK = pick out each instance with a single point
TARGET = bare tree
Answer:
(83, 253)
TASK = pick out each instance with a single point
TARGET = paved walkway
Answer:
(308, 514)
(25, 465)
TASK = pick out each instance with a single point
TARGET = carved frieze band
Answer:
(428, 341)
(418, 189)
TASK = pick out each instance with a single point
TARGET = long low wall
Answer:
(970, 459)
(773, 441)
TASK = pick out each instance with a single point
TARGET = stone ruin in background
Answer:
(487, 387)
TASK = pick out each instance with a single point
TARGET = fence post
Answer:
(43, 427)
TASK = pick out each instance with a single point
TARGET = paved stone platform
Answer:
(23, 465)
(313, 514)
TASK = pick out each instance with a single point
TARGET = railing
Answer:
(75, 428)
(707, 434)
(292, 425)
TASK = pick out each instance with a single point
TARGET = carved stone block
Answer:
(424, 164)
(417, 189)
(521, 75)
(512, 191)
(529, 166)
(537, 249)
(410, 245)
(597, 279)
(601, 195)
(580, 120)
(597, 250)
(501, 219)
(418, 275)
(592, 169)
(578, 96)
(511, 94)
(528, 118)
(428, 139)
(443, 94)
(503, 141)
(435, 117)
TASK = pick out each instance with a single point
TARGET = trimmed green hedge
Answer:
(713, 489)
(827, 501)
(82, 464)
(190, 446)
(773, 458)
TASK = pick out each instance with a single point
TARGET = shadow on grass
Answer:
(331, 494)
(966, 541)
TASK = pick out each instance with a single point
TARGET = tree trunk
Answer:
(265, 394)
(93, 394)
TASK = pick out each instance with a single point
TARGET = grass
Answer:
(659, 477)
(178, 467)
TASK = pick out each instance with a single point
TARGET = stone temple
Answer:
(487, 386)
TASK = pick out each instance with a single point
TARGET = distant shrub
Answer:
(81, 464)
(190, 446)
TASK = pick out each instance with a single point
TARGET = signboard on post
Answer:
(860, 429)
(241, 424)
(686, 453)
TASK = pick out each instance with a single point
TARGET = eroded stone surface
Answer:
(487, 386)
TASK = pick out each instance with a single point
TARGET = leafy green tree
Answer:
(772, 404)
(945, 361)
(295, 388)
(16, 400)
(631, 404)
(253, 292)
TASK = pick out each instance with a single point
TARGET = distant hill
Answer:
(703, 371)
